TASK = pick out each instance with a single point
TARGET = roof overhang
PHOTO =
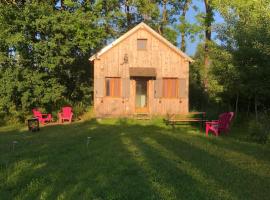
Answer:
(142, 72)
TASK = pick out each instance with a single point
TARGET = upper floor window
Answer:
(141, 44)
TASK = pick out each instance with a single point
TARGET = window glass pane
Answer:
(113, 87)
(141, 44)
(141, 93)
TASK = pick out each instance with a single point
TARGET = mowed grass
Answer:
(128, 159)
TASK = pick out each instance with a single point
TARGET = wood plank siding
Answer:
(116, 63)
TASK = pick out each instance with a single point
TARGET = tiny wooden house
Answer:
(140, 72)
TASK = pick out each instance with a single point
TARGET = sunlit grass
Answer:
(206, 184)
(129, 159)
(161, 189)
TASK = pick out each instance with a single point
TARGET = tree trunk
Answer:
(236, 104)
(183, 42)
(256, 107)
(248, 108)
(183, 33)
(61, 4)
(164, 17)
(208, 34)
(127, 8)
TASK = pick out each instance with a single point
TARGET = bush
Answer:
(259, 131)
(78, 110)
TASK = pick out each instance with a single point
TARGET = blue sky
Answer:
(191, 46)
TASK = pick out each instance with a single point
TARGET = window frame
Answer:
(120, 87)
(176, 88)
(139, 47)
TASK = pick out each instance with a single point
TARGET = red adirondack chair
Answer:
(220, 125)
(42, 118)
(65, 115)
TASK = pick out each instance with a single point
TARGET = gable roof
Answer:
(133, 30)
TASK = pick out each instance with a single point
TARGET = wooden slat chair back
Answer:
(225, 120)
(36, 113)
(66, 114)
(220, 125)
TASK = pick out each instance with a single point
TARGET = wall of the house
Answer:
(166, 61)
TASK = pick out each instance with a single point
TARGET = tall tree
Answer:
(183, 26)
(208, 20)
(167, 18)
(128, 15)
(245, 37)
(164, 17)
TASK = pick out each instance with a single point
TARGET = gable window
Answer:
(141, 44)
(113, 87)
(170, 88)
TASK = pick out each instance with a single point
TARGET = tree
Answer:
(246, 35)
(43, 53)
(184, 24)
(209, 13)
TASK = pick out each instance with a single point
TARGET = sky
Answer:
(192, 46)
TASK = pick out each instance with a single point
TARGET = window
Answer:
(113, 87)
(141, 44)
(170, 88)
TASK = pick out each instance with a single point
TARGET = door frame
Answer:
(144, 109)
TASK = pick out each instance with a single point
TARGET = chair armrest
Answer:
(212, 122)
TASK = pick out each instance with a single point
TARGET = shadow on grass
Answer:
(226, 177)
(125, 159)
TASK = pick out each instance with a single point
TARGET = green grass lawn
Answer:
(130, 160)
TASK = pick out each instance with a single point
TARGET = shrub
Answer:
(78, 109)
(259, 131)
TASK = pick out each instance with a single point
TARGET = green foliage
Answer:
(246, 35)
(171, 35)
(239, 73)
(220, 76)
(44, 55)
(22, 89)
(79, 109)
(259, 130)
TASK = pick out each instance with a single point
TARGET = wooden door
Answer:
(141, 95)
